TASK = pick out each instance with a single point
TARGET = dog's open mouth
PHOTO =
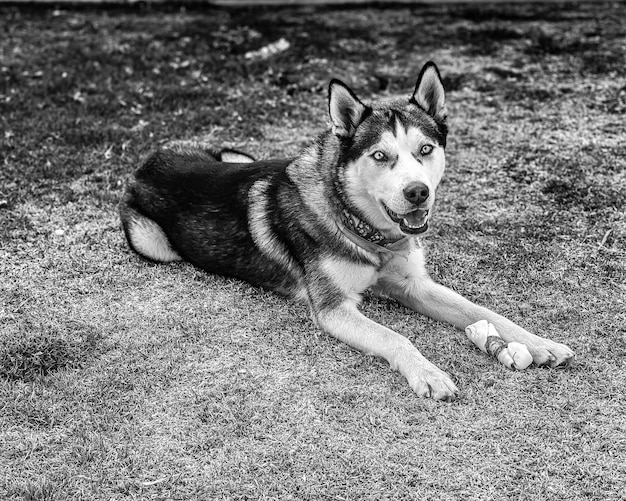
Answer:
(413, 222)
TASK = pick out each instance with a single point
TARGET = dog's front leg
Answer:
(406, 280)
(347, 324)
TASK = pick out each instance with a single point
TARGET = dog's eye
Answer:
(427, 149)
(379, 156)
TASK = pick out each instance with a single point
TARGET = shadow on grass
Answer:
(45, 350)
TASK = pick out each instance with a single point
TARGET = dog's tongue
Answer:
(415, 218)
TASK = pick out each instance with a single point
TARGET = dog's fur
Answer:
(338, 219)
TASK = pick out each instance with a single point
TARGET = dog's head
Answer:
(392, 154)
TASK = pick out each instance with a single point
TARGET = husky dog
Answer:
(340, 218)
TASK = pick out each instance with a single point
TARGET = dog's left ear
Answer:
(429, 94)
(346, 110)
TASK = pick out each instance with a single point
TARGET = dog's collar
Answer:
(364, 235)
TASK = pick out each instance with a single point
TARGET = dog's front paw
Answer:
(430, 381)
(549, 353)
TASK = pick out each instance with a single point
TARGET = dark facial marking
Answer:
(383, 118)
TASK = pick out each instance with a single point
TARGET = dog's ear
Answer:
(346, 110)
(235, 157)
(429, 94)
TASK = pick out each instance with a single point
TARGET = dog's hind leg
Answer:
(146, 237)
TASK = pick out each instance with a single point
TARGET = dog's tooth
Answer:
(410, 221)
(411, 225)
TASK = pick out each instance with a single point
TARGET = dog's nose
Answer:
(416, 193)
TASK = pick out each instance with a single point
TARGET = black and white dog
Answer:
(323, 227)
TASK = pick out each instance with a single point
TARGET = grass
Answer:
(120, 379)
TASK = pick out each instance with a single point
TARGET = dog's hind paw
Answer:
(432, 382)
(550, 354)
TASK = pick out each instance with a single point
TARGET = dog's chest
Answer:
(350, 278)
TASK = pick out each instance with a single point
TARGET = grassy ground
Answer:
(120, 379)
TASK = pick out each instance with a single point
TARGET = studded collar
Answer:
(366, 236)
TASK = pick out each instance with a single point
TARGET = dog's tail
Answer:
(235, 157)
(208, 152)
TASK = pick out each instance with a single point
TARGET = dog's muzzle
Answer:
(411, 223)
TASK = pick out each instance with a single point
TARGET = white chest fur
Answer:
(350, 278)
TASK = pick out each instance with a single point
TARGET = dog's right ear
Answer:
(346, 110)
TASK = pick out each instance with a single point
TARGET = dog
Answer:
(344, 216)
